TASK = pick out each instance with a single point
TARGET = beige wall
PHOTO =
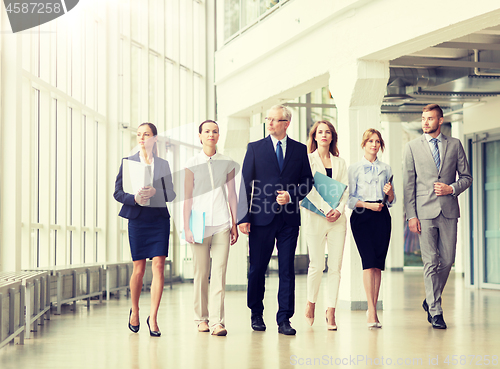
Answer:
(482, 117)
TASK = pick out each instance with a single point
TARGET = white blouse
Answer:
(209, 190)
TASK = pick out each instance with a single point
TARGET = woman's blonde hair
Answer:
(312, 145)
(368, 133)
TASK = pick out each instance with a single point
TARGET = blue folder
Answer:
(196, 225)
(329, 189)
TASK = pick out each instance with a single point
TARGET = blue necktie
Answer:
(435, 153)
(279, 155)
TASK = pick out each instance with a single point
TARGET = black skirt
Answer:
(372, 233)
(148, 234)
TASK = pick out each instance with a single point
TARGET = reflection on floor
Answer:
(99, 338)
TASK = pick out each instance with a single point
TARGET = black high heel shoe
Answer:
(153, 333)
(133, 328)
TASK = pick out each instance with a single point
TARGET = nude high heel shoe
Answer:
(373, 325)
(330, 327)
(308, 310)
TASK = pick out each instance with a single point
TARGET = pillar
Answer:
(393, 136)
(14, 145)
(358, 87)
(235, 135)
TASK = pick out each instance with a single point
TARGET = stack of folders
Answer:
(136, 176)
(329, 189)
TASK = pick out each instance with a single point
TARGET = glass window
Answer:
(135, 83)
(160, 77)
(136, 12)
(185, 33)
(250, 11)
(198, 25)
(183, 104)
(491, 214)
(153, 24)
(169, 94)
(171, 23)
(231, 17)
(153, 88)
(239, 14)
(35, 194)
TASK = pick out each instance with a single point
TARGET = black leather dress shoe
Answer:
(258, 323)
(426, 308)
(286, 329)
(438, 322)
(133, 328)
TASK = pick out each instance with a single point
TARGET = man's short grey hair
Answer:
(287, 114)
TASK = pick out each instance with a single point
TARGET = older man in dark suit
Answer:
(432, 164)
(276, 175)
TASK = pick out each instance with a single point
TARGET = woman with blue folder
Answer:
(370, 196)
(329, 229)
(208, 189)
(148, 221)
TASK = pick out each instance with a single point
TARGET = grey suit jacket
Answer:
(420, 173)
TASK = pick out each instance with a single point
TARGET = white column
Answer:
(393, 155)
(14, 146)
(358, 88)
(236, 134)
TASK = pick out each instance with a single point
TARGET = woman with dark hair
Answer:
(329, 230)
(370, 196)
(149, 223)
(209, 188)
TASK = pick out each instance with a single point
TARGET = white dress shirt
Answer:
(209, 190)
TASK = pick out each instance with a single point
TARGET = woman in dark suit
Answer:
(149, 224)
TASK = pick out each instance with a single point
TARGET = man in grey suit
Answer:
(431, 190)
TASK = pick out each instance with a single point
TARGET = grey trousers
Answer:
(438, 242)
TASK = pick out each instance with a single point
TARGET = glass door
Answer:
(491, 213)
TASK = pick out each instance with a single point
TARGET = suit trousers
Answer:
(319, 232)
(438, 240)
(218, 246)
(261, 245)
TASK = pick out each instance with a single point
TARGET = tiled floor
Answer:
(99, 337)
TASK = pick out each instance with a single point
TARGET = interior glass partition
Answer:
(491, 152)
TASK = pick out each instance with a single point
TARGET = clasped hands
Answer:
(144, 195)
(282, 198)
(333, 215)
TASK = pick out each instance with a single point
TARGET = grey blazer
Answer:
(420, 173)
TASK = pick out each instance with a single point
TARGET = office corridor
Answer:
(99, 337)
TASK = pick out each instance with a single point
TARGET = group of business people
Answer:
(277, 174)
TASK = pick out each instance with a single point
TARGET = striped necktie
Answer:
(435, 153)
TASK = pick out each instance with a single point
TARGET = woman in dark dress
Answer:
(149, 224)
(369, 185)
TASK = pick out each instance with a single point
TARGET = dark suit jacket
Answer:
(162, 182)
(261, 170)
